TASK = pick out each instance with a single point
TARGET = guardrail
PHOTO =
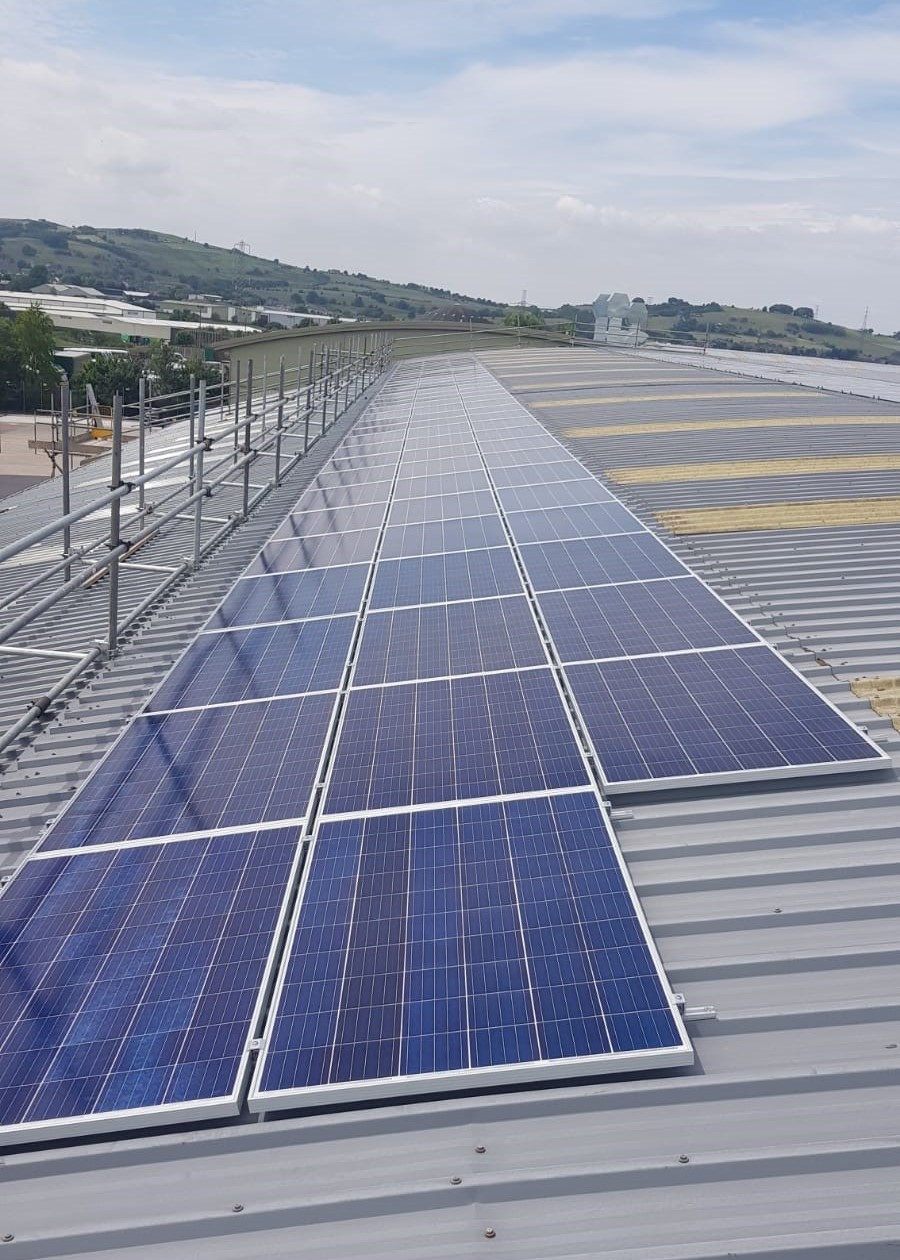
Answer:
(256, 414)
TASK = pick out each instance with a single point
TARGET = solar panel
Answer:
(550, 524)
(443, 639)
(342, 498)
(254, 664)
(466, 534)
(601, 622)
(438, 579)
(199, 770)
(442, 507)
(540, 473)
(456, 739)
(132, 981)
(461, 947)
(555, 494)
(332, 520)
(318, 552)
(691, 719)
(441, 483)
(593, 561)
(291, 596)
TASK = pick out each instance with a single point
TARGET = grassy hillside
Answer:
(738, 328)
(172, 266)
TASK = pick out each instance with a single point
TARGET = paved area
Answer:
(19, 466)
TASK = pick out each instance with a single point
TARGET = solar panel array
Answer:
(407, 697)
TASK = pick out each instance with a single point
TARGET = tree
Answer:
(781, 308)
(35, 338)
(109, 374)
(804, 312)
(519, 318)
(10, 365)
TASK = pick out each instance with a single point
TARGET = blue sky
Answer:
(743, 151)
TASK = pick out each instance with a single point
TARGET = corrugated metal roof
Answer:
(777, 906)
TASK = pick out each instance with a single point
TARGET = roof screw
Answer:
(456, 1181)
(8, 1237)
(479, 1150)
(490, 1233)
(777, 910)
(237, 1207)
(684, 1159)
(891, 1045)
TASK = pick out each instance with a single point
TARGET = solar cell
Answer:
(441, 508)
(201, 770)
(471, 532)
(290, 596)
(735, 713)
(451, 576)
(596, 623)
(377, 479)
(592, 561)
(490, 735)
(332, 520)
(258, 663)
(341, 498)
(321, 551)
(443, 639)
(551, 524)
(555, 494)
(414, 465)
(132, 981)
(457, 947)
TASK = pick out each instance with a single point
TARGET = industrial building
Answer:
(768, 893)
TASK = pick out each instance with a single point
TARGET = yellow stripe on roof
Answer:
(699, 426)
(738, 518)
(642, 398)
(726, 469)
(523, 385)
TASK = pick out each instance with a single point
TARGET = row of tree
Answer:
(28, 371)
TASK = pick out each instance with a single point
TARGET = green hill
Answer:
(171, 267)
(770, 331)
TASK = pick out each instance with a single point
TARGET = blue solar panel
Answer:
(592, 561)
(541, 474)
(422, 465)
(550, 524)
(555, 494)
(443, 483)
(200, 770)
(290, 596)
(343, 498)
(443, 507)
(735, 713)
(320, 552)
(374, 481)
(443, 639)
(332, 520)
(460, 940)
(469, 533)
(436, 579)
(490, 735)
(131, 980)
(595, 623)
(255, 664)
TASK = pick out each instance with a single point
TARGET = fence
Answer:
(272, 417)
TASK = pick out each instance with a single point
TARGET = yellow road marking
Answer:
(738, 518)
(641, 398)
(727, 469)
(699, 426)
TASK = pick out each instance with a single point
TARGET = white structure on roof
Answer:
(618, 321)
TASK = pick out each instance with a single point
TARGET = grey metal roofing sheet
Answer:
(778, 907)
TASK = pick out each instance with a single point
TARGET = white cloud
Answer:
(660, 171)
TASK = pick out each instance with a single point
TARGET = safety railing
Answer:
(270, 419)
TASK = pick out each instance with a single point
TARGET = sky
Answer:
(746, 152)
